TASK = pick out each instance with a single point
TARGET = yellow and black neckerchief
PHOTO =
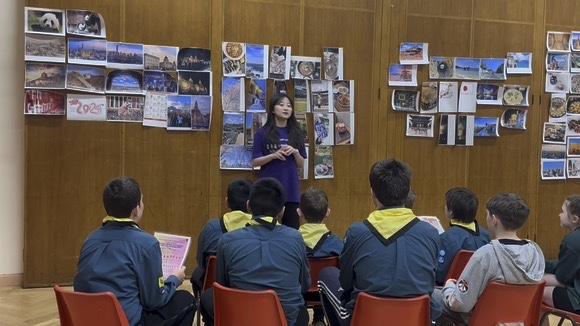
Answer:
(314, 235)
(120, 221)
(472, 227)
(389, 224)
(267, 221)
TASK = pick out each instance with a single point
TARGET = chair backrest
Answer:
(316, 265)
(239, 307)
(458, 264)
(371, 310)
(508, 303)
(210, 273)
(89, 309)
(560, 314)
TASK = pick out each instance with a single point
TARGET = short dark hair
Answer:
(390, 181)
(462, 203)
(267, 197)
(510, 209)
(410, 202)
(121, 196)
(573, 205)
(314, 205)
(238, 194)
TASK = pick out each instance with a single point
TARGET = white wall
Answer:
(11, 136)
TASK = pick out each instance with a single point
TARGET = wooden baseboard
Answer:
(10, 280)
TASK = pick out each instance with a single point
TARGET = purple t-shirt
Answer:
(284, 171)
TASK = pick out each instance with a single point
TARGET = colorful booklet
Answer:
(174, 249)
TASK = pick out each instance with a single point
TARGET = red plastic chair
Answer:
(246, 308)
(458, 264)
(371, 310)
(508, 303)
(210, 273)
(561, 314)
(316, 265)
(89, 309)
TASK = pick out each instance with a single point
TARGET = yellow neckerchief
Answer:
(235, 220)
(469, 226)
(120, 220)
(389, 222)
(312, 232)
(267, 221)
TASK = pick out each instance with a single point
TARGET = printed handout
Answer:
(174, 249)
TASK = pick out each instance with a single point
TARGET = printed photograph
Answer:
(344, 128)
(464, 129)
(155, 110)
(558, 41)
(489, 94)
(124, 55)
(575, 62)
(179, 112)
(573, 125)
(414, 53)
(201, 113)
(194, 83)
(319, 93)
(573, 148)
(235, 157)
(81, 107)
(441, 68)
(44, 21)
(255, 95)
(467, 97)
(160, 81)
(234, 59)
(486, 127)
(85, 23)
(156, 57)
(558, 107)
(429, 98)
(553, 169)
(257, 61)
(301, 96)
(447, 129)
(305, 67)
(515, 95)
(332, 63)
(233, 94)
(302, 120)
(557, 82)
(405, 101)
(324, 128)
(40, 102)
(575, 41)
(125, 81)
(554, 152)
(466, 68)
(343, 95)
(493, 69)
(558, 62)
(419, 125)
(575, 83)
(280, 62)
(47, 48)
(87, 51)
(573, 168)
(233, 129)
(124, 108)
(402, 75)
(85, 78)
(254, 121)
(519, 63)
(573, 105)
(304, 170)
(554, 133)
(514, 119)
(194, 59)
(448, 96)
(44, 75)
(323, 162)
(280, 87)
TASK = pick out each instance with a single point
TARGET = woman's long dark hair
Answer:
(295, 135)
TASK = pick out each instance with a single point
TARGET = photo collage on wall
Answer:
(253, 73)
(456, 87)
(71, 69)
(560, 155)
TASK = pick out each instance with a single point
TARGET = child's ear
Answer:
(574, 219)
(248, 206)
(299, 212)
(327, 213)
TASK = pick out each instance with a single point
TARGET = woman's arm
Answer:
(299, 159)
(262, 160)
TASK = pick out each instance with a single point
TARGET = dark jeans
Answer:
(178, 311)
(207, 311)
(290, 217)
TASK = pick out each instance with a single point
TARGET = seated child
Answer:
(264, 255)
(380, 252)
(463, 232)
(562, 277)
(506, 259)
(319, 241)
(237, 196)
